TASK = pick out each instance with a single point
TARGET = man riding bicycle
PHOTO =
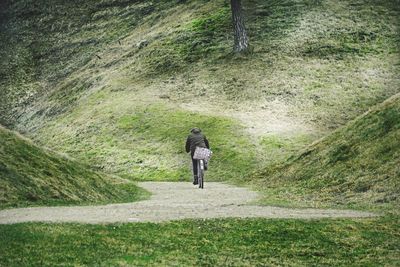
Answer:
(195, 139)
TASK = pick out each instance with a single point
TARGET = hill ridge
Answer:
(31, 175)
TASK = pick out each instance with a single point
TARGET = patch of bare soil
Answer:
(259, 120)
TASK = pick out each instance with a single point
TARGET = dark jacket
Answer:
(196, 138)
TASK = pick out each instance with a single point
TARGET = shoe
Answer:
(195, 180)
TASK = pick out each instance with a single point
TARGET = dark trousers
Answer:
(194, 162)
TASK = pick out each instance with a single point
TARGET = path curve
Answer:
(173, 201)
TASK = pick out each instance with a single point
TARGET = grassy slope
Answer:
(308, 76)
(357, 165)
(30, 175)
(227, 242)
(147, 142)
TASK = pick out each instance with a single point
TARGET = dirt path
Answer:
(173, 201)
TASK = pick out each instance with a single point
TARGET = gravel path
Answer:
(173, 201)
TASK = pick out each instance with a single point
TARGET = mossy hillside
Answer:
(306, 54)
(147, 142)
(208, 37)
(30, 175)
(304, 66)
(67, 49)
(274, 148)
(357, 165)
(328, 61)
(217, 242)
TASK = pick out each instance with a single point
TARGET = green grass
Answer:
(315, 64)
(207, 36)
(357, 165)
(148, 143)
(218, 242)
(319, 48)
(275, 148)
(73, 78)
(73, 36)
(32, 176)
(159, 125)
(323, 62)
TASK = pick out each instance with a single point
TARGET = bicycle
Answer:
(202, 155)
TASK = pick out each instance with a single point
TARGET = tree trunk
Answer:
(240, 34)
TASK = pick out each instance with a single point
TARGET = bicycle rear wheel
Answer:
(201, 173)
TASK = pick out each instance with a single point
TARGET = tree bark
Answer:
(241, 40)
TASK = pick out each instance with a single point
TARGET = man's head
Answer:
(195, 130)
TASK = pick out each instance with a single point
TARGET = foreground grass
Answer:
(220, 242)
(31, 175)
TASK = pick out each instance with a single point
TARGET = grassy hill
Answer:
(357, 165)
(30, 175)
(100, 79)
